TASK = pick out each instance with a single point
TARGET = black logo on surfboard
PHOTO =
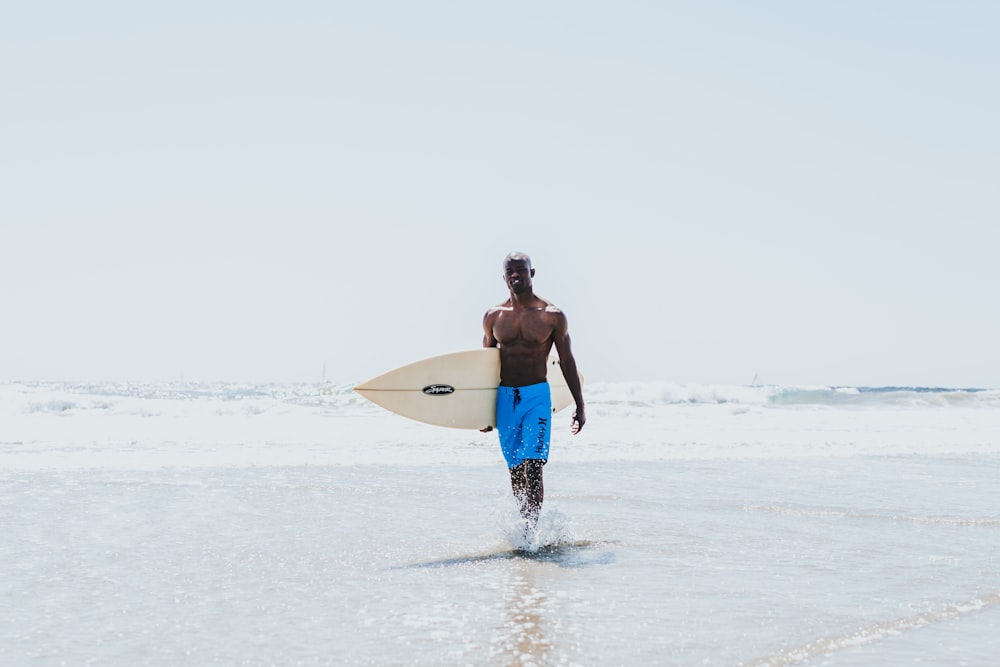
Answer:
(438, 389)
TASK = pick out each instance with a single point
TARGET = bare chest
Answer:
(530, 327)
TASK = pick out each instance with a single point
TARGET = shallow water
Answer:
(779, 562)
(297, 525)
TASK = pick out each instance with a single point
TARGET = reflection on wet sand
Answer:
(524, 634)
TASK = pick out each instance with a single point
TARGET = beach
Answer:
(300, 525)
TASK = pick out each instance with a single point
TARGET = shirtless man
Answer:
(525, 327)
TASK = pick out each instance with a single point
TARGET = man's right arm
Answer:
(489, 340)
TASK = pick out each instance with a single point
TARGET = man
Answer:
(525, 327)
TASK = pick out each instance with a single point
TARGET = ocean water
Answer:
(201, 524)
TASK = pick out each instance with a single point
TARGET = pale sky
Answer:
(245, 191)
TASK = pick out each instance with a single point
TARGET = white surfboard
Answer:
(458, 390)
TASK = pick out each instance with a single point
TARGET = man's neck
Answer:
(525, 299)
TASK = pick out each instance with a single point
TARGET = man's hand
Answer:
(579, 419)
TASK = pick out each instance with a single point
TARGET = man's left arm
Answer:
(560, 336)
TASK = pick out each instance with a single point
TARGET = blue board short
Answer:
(524, 415)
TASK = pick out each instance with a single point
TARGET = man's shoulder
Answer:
(492, 310)
(541, 305)
(550, 307)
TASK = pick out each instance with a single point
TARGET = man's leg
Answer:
(526, 483)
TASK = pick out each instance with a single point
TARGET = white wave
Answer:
(82, 397)
(196, 424)
(925, 520)
(875, 632)
(651, 394)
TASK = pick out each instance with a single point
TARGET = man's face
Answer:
(517, 274)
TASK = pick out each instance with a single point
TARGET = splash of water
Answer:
(552, 529)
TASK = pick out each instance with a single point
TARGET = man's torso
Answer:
(524, 336)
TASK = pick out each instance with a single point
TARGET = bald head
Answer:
(517, 257)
